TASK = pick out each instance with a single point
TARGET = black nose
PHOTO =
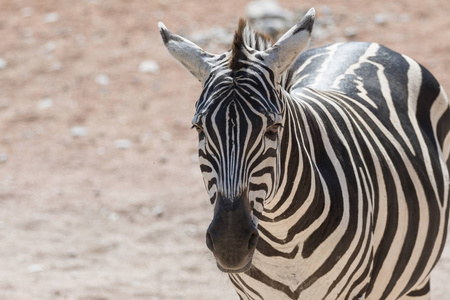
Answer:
(235, 239)
(232, 236)
(233, 249)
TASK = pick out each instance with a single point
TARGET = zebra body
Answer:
(339, 158)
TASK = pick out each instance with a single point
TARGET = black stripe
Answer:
(420, 292)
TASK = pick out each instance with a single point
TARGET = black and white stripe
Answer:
(343, 158)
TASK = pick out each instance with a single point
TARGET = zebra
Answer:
(327, 168)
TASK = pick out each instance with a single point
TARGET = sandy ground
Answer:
(100, 192)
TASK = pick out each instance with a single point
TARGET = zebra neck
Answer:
(300, 181)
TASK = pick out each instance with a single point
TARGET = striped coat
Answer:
(328, 169)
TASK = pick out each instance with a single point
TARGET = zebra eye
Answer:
(197, 127)
(272, 129)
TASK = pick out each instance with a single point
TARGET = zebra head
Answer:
(239, 119)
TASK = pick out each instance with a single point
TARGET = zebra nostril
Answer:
(209, 242)
(253, 240)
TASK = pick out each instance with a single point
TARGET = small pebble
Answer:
(5, 103)
(50, 46)
(35, 268)
(3, 157)
(157, 211)
(102, 79)
(149, 66)
(351, 32)
(269, 17)
(113, 217)
(72, 253)
(260, 9)
(45, 103)
(78, 131)
(122, 144)
(380, 19)
(51, 17)
(3, 64)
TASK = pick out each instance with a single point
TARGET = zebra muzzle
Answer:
(232, 236)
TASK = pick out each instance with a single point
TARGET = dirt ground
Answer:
(100, 192)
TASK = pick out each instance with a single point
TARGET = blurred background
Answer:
(100, 192)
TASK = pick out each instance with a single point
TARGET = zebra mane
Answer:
(245, 38)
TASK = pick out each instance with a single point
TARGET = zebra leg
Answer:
(421, 293)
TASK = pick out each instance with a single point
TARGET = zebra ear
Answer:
(283, 53)
(189, 54)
